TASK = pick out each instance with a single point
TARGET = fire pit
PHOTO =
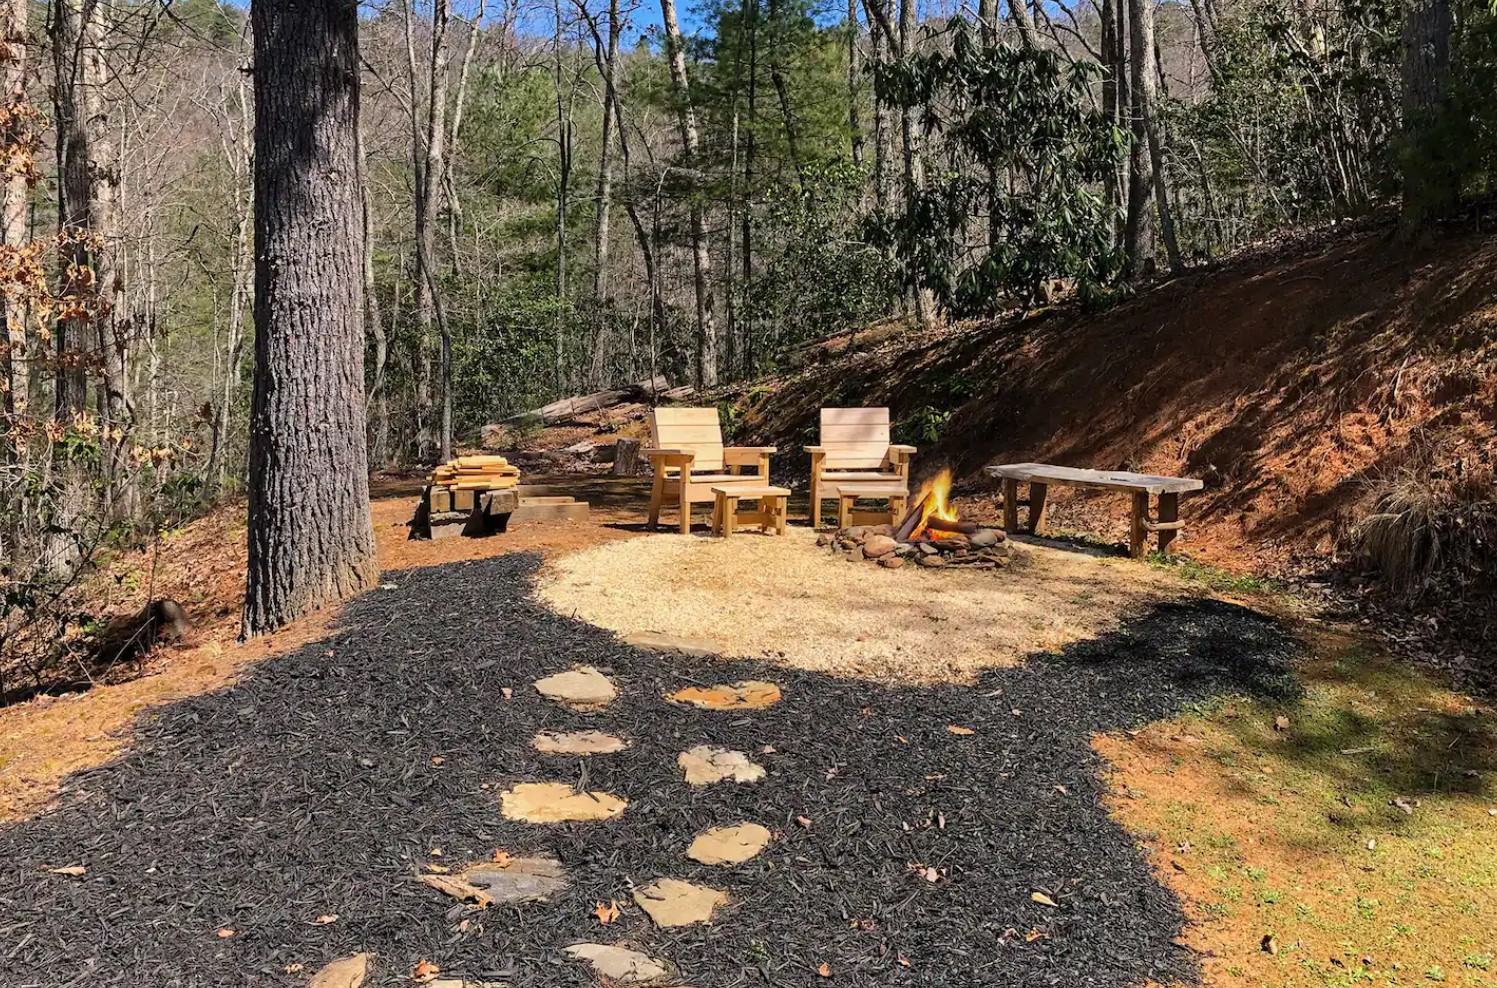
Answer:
(930, 534)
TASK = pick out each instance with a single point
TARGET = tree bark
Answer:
(1145, 88)
(854, 84)
(706, 356)
(240, 155)
(914, 166)
(14, 385)
(311, 539)
(1024, 21)
(1430, 184)
(608, 59)
(1139, 230)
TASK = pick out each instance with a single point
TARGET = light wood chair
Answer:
(855, 454)
(688, 459)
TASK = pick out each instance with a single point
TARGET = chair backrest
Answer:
(855, 438)
(695, 429)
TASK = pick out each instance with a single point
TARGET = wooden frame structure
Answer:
(772, 514)
(855, 454)
(1039, 477)
(688, 459)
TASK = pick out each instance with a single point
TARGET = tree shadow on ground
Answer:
(327, 779)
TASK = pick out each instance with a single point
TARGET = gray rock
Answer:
(984, 538)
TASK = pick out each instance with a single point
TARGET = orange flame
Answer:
(939, 505)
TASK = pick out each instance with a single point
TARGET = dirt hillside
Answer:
(1292, 381)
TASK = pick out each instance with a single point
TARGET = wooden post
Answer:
(657, 494)
(1169, 511)
(1010, 505)
(816, 462)
(625, 457)
(1139, 533)
(1037, 494)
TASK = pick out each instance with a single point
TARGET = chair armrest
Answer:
(814, 449)
(652, 452)
(749, 456)
(906, 450)
(755, 450)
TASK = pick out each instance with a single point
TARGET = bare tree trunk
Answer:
(311, 540)
(607, 68)
(1145, 84)
(241, 162)
(14, 384)
(706, 362)
(1430, 184)
(854, 84)
(1139, 232)
(423, 155)
(1111, 90)
(377, 418)
(1024, 20)
(883, 128)
(914, 166)
(563, 191)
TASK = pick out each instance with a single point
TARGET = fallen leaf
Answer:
(224, 932)
(768, 749)
(1281, 723)
(1043, 899)
(508, 693)
(825, 970)
(804, 821)
(901, 739)
(425, 971)
(74, 870)
(1269, 944)
(1034, 935)
(437, 759)
(1402, 804)
(904, 961)
(1061, 790)
(326, 918)
(607, 914)
(292, 968)
(929, 874)
(435, 852)
(502, 858)
(1372, 845)
(958, 730)
(437, 869)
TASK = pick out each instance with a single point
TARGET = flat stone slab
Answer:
(518, 879)
(672, 902)
(582, 688)
(729, 845)
(749, 695)
(578, 743)
(620, 965)
(557, 802)
(345, 972)
(704, 765)
(654, 641)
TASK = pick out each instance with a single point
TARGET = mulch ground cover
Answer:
(325, 781)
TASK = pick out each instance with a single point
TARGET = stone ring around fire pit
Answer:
(982, 548)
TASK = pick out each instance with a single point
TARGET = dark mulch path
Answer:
(309, 789)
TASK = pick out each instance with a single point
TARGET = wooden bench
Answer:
(896, 494)
(773, 508)
(1039, 477)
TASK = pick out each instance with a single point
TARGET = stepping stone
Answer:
(557, 802)
(750, 695)
(672, 902)
(656, 642)
(519, 879)
(728, 845)
(578, 743)
(583, 688)
(620, 965)
(465, 983)
(345, 972)
(705, 765)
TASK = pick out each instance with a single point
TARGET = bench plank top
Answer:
(1108, 480)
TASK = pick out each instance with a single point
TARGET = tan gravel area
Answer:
(785, 600)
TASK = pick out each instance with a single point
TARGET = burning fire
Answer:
(936, 496)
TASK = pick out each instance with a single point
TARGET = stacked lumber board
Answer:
(474, 473)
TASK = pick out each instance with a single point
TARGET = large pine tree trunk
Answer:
(311, 540)
(706, 366)
(1430, 185)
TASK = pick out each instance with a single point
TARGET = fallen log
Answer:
(569, 408)
(955, 527)
(911, 520)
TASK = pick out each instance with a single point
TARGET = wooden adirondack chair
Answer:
(688, 459)
(855, 453)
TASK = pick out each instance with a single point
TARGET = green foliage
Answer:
(1031, 151)
(825, 279)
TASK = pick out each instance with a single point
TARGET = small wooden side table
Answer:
(896, 494)
(774, 503)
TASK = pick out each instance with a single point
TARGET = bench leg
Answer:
(1169, 511)
(657, 495)
(1037, 494)
(685, 511)
(1138, 537)
(844, 508)
(1010, 506)
(730, 516)
(815, 501)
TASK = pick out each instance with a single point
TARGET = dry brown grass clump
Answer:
(1433, 528)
